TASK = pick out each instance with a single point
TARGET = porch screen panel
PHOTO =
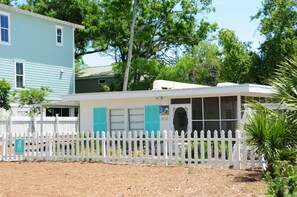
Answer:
(152, 118)
(99, 119)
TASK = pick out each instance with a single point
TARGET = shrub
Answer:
(283, 180)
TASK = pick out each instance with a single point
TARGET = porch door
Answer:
(181, 118)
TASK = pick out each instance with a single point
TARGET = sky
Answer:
(231, 14)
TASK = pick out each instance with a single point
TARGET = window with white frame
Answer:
(117, 120)
(59, 35)
(19, 75)
(136, 119)
(4, 28)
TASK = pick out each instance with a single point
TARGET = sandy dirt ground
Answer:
(97, 179)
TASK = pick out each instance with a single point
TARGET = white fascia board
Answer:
(192, 92)
(41, 16)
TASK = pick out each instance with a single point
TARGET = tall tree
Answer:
(142, 74)
(236, 58)
(163, 27)
(278, 25)
(201, 66)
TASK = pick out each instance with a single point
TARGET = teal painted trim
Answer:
(100, 119)
(152, 118)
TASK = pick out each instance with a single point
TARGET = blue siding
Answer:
(99, 119)
(34, 41)
(152, 118)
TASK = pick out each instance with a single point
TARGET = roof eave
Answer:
(41, 16)
(210, 91)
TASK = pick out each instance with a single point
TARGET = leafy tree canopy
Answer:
(5, 94)
(33, 97)
(162, 27)
(141, 76)
(278, 25)
(236, 58)
(201, 66)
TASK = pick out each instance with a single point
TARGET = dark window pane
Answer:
(197, 126)
(257, 99)
(19, 82)
(212, 125)
(59, 40)
(211, 108)
(229, 125)
(19, 68)
(49, 112)
(4, 35)
(4, 21)
(101, 81)
(65, 112)
(229, 107)
(57, 111)
(181, 101)
(197, 108)
(262, 100)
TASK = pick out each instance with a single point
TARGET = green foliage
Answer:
(161, 27)
(278, 25)
(33, 97)
(141, 76)
(199, 67)
(104, 88)
(283, 181)
(80, 64)
(220, 152)
(285, 84)
(236, 60)
(5, 94)
(7, 2)
(270, 133)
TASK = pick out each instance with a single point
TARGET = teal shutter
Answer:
(99, 119)
(152, 118)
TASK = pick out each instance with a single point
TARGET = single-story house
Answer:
(169, 106)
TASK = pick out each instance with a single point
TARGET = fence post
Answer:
(237, 157)
(103, 147)
(165, 148)
(57, 123)
(33, 124)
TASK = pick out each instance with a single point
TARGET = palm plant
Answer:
(274, 135)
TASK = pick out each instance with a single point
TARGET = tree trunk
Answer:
(126, 76)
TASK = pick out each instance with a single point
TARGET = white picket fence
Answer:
(37, 124)
(166, 148)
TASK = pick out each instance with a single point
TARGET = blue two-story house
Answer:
(35, 51)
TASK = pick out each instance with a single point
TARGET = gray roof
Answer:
(95, 72)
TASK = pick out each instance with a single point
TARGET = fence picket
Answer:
(141, 147)
(183, 146)
(97, 147)
(92, 146)
(130, 146)
(195, 148)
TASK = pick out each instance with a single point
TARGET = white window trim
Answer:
(62, 40)
(15, 75)
(9, 27)
(101, 83)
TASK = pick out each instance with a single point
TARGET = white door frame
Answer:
(188, 108)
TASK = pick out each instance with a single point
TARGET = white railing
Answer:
(164, 148)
